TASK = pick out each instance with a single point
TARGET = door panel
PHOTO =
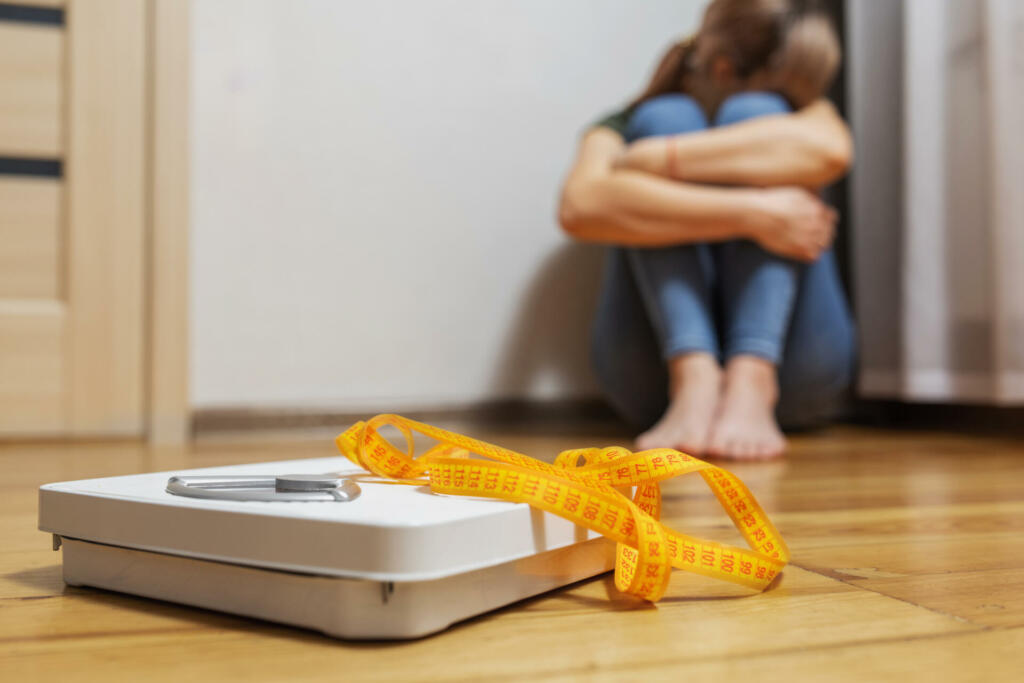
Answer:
(32, 372)
(72, 246)
(31, 60)
(30, 244)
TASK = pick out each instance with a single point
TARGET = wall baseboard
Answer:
(589, 417)
(951, 417)
(562, 416)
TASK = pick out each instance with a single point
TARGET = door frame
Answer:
(167, 368)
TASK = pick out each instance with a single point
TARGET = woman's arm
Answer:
(810, 148)
(601, 203)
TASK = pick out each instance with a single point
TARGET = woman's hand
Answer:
(791, 222)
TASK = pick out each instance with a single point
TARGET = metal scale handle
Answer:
(288, 487)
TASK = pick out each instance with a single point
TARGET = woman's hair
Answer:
(790, 41)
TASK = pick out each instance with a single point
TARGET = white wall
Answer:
(374, 189)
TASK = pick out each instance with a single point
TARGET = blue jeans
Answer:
(725, 299)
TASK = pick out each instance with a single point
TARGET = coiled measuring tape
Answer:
(586, 487)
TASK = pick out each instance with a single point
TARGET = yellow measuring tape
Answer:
(586, 487)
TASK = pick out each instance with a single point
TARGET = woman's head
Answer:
(781, 45)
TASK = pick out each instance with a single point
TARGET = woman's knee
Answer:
(668, 114)
(749, 105)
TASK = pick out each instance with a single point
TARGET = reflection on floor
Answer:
(908, 563)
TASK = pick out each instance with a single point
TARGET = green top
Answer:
(617, 121)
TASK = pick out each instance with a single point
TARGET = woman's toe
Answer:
(774, 447)
(646, 441)
(689, 447)
(723, 447)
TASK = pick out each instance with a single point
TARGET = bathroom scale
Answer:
(314, 543)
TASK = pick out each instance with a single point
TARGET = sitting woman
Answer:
(721, 313)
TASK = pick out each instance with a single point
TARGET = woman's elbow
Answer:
(839, 149)
(835, 156)
(568, 215)
(829, 136)
(840, 156)
(575, 210)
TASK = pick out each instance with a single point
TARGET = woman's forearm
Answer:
(601, 203)
(811, 148)
(633, 208)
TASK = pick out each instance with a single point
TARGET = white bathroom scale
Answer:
(313, 543)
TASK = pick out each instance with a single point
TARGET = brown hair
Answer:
(790, 41)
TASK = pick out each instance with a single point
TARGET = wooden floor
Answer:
(908, 565)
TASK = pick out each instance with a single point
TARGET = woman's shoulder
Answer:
(668, 70)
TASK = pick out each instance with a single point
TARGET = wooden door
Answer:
(73, 217)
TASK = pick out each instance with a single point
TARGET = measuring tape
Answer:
(589, 487)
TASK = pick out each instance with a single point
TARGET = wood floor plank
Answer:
(918, 557)
(984, 657)
(992, 598)
(698, 618)
(30, 575)
(899, 524)
(907, 565)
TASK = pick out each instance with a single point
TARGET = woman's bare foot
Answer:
(745, 426)
(695, 382)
